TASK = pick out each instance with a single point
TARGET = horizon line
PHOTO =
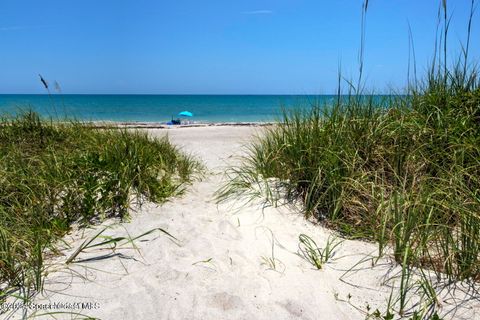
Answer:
(198, 94)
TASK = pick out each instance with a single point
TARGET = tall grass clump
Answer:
(55, 174)
(402, 170)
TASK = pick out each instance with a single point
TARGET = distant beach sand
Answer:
(219, 268)
(163, 125)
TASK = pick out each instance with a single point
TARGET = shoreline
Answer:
(161, 125)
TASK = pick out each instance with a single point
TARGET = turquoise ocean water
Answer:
(160, 108)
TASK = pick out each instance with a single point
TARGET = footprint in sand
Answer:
(294, 309)
(225, 301)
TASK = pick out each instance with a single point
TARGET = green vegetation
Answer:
(271, 262)
(310, 251)
(408, 175)
(55, 174)
(402, 170)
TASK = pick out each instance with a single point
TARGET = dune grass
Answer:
(55, 174)
(408, 175)
(402, 170)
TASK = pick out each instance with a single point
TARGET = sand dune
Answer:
(222, 265)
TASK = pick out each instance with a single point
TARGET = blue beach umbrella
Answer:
(185, 114)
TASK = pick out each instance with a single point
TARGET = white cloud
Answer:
(258, 12)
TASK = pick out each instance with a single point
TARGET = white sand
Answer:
(164, 280)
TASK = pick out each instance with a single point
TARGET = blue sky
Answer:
(215, 46)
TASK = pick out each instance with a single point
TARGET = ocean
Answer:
(159, 108)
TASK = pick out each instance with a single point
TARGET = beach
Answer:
(226, 261)
(240, 160)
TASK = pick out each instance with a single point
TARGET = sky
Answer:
(218, 46)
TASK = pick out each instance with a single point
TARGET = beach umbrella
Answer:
(185, 114)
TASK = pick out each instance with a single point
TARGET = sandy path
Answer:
(217, 270)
